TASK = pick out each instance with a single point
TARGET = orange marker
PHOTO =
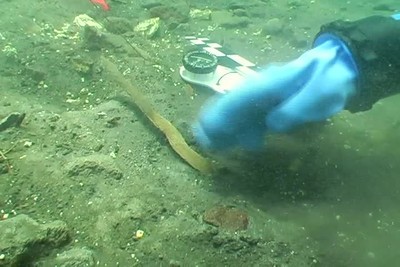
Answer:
(104, 5)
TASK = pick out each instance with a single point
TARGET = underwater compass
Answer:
(200, 62)
(213, 66)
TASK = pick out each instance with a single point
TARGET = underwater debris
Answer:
(139, 234)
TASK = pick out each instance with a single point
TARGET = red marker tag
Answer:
(104, 5)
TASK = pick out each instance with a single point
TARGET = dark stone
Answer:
(118, 25)
(229, 218)
(12, 120)
(171, 16)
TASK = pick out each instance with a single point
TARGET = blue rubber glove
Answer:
(311, 88)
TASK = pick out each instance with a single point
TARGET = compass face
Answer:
(200, 62)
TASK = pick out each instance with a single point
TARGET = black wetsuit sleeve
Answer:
(375, 45)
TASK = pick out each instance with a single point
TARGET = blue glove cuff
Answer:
(396, 16)
(346, 57)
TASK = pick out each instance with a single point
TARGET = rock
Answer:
(118, 25)
(229, 218)
(148, 27)
(23, 240)
(12, 120)
(35, 73)
(94, 165)
(95, 39)
(200, 14)
(84, 20)
(240, 13)
(174, 263)
(273, 27)
(82, 64)
(150, 3)
(227, 20)
(172, 16)
(294, 4)
(74, 257)
(237, 5)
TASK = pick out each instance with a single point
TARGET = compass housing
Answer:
(200, 62)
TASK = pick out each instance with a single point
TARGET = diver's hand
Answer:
(311, 88)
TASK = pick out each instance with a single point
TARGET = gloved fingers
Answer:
(220, 129)
(324, 95)
(237, 118)
(274, 83)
